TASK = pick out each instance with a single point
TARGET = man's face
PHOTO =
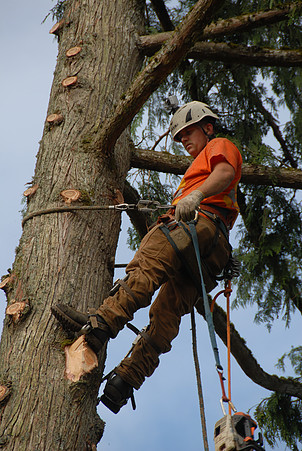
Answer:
(193, 139)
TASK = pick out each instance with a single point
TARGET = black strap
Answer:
(208, 313)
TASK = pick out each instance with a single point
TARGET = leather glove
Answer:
(185, 208)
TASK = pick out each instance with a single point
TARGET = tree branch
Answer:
(162, 14)
(270, 120)
(247, 361)
(152, 43)
(277, 132)
(251, 56)
(155, 73)
(251, 174)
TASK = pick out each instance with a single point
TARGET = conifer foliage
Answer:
(118, 61)
(259, 101)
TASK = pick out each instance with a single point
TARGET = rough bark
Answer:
(152, 43)
(251, 174)
(68, 257)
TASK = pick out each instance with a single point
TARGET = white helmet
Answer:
(189, 114)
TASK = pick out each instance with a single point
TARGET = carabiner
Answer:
(230, 404)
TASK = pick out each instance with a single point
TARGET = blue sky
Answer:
(167, 416)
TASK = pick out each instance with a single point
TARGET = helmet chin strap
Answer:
(206, 133)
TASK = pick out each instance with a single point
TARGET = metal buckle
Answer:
(85, 329)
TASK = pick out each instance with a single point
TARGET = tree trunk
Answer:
(68, 257)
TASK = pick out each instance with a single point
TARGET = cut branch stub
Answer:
(118, 197)
(69, 81)
(73, 51)
(70, 195)
(30, 191)
(80, 359)
(54, 118)
(57, 27)
(17, 310)
(4, 282)
(5, 391)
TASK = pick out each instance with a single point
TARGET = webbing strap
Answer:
(181, 257)
(208, 314)
(207, 309)
(93, 318)
(128, 290)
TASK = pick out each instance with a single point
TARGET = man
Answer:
(209, 186)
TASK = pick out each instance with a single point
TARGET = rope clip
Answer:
(150, 205)
(122, 207)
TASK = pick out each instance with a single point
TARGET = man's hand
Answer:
(185, 208)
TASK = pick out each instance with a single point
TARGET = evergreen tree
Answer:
(240, 57)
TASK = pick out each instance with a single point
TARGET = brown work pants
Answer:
(155, 265)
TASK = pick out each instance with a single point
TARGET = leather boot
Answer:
(116, 393)
(96, 333)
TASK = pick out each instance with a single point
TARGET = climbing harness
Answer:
(231, 432)
(143, 205)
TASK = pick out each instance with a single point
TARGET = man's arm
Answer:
(219, 179)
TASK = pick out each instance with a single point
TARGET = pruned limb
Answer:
(17, 310)
(70, 195)
(249, 364)
(57, 27)
(30, 191)
(5, 282)
(80, 359)
(73, 51)
(251, 56)
(5, 392)
(155, 73)
(152, 43)
(69, 81)
(54, 119)
(253, 174)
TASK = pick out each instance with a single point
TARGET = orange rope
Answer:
(227, 291)
(227, 295)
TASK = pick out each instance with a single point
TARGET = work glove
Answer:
(185, 208)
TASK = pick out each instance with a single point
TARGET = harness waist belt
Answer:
(216, 218)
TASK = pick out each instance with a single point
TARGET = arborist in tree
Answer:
(166, 257)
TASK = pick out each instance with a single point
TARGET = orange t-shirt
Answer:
(216, 151)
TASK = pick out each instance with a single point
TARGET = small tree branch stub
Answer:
(57, 27)
(69, 81)
(73, 51)
(80, 359)
(4, 282)
(54, 118)
(30, 191)
(4, 393)
(17, 309)
(70, 195)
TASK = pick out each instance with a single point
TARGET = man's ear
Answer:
(209, 128)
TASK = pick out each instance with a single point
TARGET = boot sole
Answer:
(115, 408)
(66, 322)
